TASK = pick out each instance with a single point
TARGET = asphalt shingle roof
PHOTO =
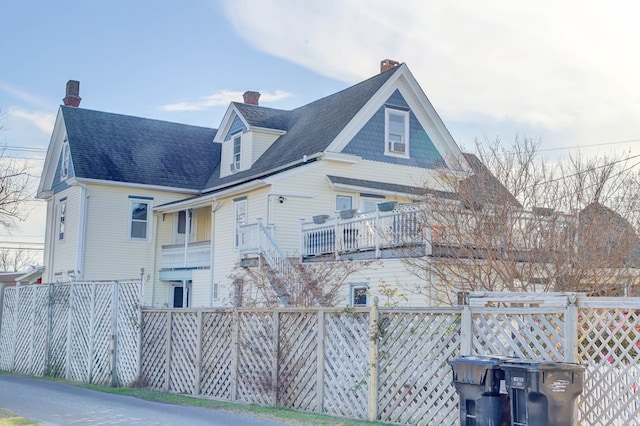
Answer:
(310, 128)
(123, 148)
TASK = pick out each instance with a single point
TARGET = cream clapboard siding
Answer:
(64, 251)
(307, 192)
(107, 235)
(259, 143)
(202, 223)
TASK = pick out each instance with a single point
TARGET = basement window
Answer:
(358, 294)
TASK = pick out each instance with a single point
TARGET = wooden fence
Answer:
(81, 331)
(386, 364)
(390, 364)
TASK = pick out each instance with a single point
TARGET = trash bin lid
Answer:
(473, 368)
(540, 365)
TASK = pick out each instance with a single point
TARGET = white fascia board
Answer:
(74, 181)
(341, 157)
(205, 200)
(227, 120)
(287, 174)
(266, 130)
(269, 173)
(366, 189)
(51, 159)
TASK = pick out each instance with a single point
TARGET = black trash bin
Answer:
(543, 393)
(478, 381)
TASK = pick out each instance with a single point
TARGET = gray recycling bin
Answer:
(543, 393)
(478, 381)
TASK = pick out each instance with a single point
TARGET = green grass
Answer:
(8, 418)
(288, 416)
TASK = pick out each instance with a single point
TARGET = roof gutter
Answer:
(177, 206)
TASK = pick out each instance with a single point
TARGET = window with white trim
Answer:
(344, 202)
(65, 160)
(139, 214)
(358, 294)
(396, 124)
(237, 149)
(62, 218)
(240, 206)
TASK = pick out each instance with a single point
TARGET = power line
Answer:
(591, 145)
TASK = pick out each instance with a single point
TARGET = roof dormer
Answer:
(247, 131)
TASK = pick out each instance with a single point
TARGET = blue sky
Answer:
(564, 72)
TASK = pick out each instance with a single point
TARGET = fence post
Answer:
(114, 331)
(167, 359)
(571, 329)
(320, 362)
(235, 338)
(196, 387)
(373, 361)
(50, 313)
(466, 328)
(67, 373)
(275, 354)
(92, 337)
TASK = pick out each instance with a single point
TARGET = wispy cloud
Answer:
(23, 95)
(223, 98)
(41, 120)
(540, 64)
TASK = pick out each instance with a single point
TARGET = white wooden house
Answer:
(268, 188)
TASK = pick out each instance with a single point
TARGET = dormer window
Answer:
(65, 158)
(396, 132)
(235, 159)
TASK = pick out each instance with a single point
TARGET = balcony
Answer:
(194, 255)
(372, 233)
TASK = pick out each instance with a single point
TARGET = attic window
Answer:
(237, 145)
(396, 124)
(65, 159)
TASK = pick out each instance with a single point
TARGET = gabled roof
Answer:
(121, 148)
(309, 129)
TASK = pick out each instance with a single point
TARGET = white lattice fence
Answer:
(217, 354)
(154, 352)
(415, 382)
(609, 343)
(256, 364)
(72, 330)
(298, 360)
(182, 358)
(8, 332)
(526, 333)
(346, 363)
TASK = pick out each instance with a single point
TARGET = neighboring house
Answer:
(187, 208)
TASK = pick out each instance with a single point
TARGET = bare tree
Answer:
(315, 284)
(14, 260)
(521, 223)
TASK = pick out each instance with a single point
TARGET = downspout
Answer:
(82, 231)
(215, 205)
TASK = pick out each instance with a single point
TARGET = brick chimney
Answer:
(387, 64)
(251, 98)
(73, 94)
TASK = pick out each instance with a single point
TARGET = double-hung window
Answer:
(396, 132)
(237, 149)
(62, 218)
(139, 218)
(65, 160)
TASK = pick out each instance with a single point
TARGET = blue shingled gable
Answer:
(369, 141)
(236, 126)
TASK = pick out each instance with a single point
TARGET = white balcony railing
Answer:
(364, 232)
(194, 255)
